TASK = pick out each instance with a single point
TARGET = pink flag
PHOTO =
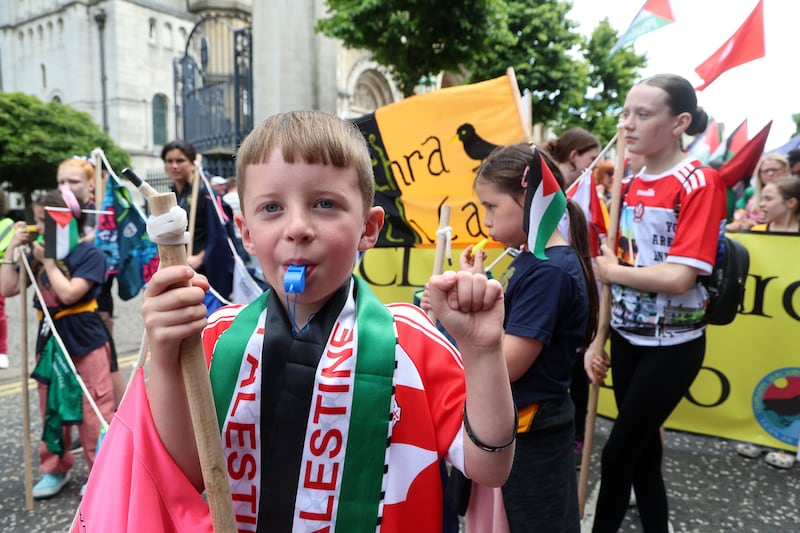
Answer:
(134, 484)
(745, 45)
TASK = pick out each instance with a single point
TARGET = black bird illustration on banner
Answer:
(475, 146)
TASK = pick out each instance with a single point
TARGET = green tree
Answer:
(35, 137)
(416, 38)
(541, 56)
(609, 79)
(796, 120)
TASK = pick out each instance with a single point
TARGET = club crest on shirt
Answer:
(638, 212)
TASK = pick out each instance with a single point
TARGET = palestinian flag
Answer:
(545, 204)
(653, 15)
(735, 142)
(60, 232)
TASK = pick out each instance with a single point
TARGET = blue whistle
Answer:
(294, 281)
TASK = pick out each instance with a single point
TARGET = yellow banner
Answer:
(749, 386)
(426, 149)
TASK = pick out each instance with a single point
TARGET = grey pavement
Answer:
(711, 488)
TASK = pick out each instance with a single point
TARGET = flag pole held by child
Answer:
(198, 386)
(442, 243)
(603, 322)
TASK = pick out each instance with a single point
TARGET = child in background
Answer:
(780, 206)
(658, 304)
(306, 188)
(748, 213)
(70, 287)
(550, 318)
(77, 173)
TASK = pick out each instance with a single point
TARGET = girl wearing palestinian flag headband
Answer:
(550, 315)
(672, 215)
(69, 283)
(334, 408)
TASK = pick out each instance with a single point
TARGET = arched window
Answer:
(159, 119)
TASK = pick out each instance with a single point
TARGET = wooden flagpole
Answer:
(441, 247)
(190, 251)
(26, 408)
(603, 322)
(98, 177)
(525, 112)
(198, 386)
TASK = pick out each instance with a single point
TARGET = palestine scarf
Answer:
(305, 430)
(545, 204)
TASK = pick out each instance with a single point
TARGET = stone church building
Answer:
(149, 71)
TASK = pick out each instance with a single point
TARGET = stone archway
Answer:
(368, 88)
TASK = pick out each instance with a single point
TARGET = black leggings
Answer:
(649, 381)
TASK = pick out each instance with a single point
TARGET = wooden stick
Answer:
(441, 247)
(26, 408)
(198, 386)
(525, 112)
(98, 176)
(190, 251)
(603, 322)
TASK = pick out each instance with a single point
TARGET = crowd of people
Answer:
(326, 365)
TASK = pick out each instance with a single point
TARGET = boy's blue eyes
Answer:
(324, 204)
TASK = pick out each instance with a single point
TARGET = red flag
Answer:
(743, 164)
(745, 45)
(584, 193)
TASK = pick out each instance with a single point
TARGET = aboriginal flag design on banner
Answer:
(425, 151)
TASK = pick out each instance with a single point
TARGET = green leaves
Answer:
(36, 137)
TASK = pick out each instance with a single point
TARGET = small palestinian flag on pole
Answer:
(60, 232)
(545, 204)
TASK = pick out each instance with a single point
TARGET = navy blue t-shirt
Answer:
(546, 301)
(81, 332)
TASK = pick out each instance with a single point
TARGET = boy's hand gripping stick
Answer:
(198, 386)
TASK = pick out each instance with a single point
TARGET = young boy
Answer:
(335, 409)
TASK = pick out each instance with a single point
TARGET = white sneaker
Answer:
(3, 360)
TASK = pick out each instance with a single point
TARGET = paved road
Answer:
(711, 489)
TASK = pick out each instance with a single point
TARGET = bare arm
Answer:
(173, 312)
(68, 290)
(667, 278)
(470, 307)
(9, 274)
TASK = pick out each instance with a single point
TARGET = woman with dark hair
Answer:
(574, 150)
(179, 157)
(671, 218)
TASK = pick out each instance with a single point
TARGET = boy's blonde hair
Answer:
(313, 137)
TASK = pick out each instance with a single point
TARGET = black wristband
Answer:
(486, 447)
